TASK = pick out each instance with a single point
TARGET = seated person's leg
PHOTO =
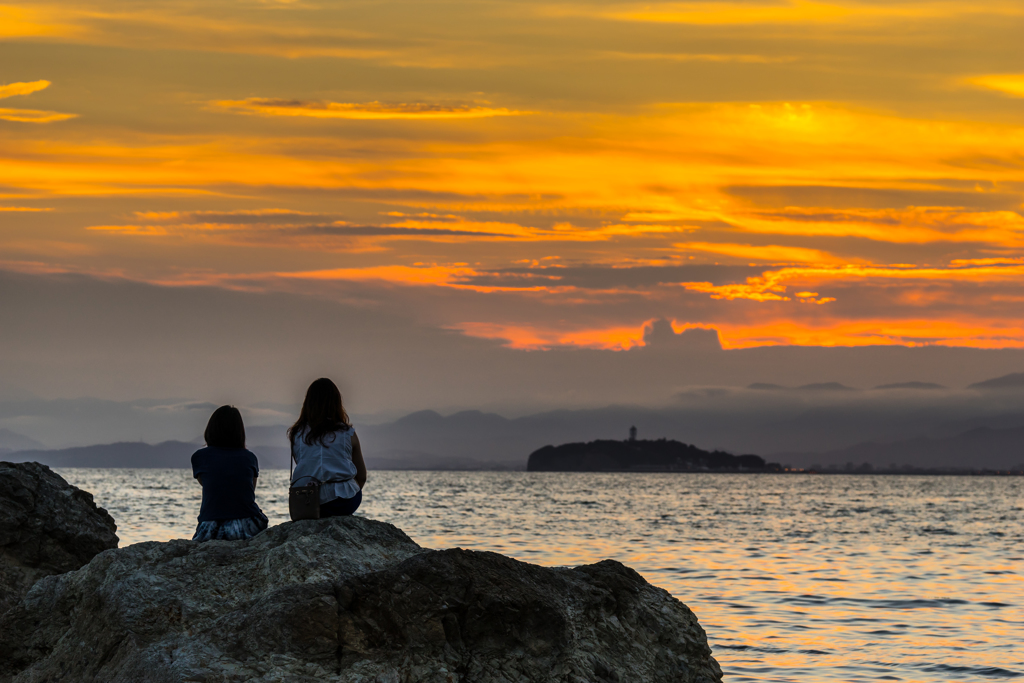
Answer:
(341, 507)
(239, 529)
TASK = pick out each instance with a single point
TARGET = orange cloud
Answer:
(29, 115)
(914, 225)
(33, 116)
(700, 57)
(365, 111)
(22, 22)
(773, 285)
(535, 338)
(800, 12)
(181, 215)
(975, 333)
(405, 275)
(761, 253)
(1008, 84)
(978, 333)
(12, 89)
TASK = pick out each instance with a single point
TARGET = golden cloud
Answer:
(773, 285)
(12, 89)
(1008, 84)
(33, 116)
(701, 57)
(825, 331)
(29, 115)
(770, 253)
(914, 225)
(22, 22)
(532, 338)
(799, 12)
(966, 331)
(263, 106)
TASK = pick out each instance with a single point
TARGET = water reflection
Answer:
(838, 578)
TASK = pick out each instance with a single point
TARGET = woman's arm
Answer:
(357, 460)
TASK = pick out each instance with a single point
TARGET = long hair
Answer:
(225, 429)
(322, 414)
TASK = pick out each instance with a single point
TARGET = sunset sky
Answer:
(536, 172)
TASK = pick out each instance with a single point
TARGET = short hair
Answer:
(225, 429)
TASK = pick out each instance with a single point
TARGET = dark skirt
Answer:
(230, 529)
(341, 507)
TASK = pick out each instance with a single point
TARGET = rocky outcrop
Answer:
(47, 526)
(346, 599)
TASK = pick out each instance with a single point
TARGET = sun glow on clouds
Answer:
(976, 333)
(1008, 84)
(825, 332)
(534, 339)
(799, 12)
(29, 115)
(626, 179)
(20, 22)
(770, 253)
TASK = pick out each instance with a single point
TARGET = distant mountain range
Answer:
(459, 442)
(914, 423)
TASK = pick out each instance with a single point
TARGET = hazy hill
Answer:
(12, 441)
(1011, 381)
(124, 454)
(975, 449)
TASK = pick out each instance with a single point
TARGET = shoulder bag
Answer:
(304, 501)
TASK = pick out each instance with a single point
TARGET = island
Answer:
(641, 455)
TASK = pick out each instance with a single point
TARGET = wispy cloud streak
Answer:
(29, 115)
(263, 106)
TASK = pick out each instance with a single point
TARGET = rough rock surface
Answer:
(346, 599)
(47, 526)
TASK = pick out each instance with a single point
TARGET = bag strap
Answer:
(319, 483)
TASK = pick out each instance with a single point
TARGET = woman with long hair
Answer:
(326, 448)
(227, 472)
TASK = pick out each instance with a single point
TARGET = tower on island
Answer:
(632, 433)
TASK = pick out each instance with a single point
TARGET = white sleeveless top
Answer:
(331, 461)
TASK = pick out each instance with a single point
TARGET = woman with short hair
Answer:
(228, 473)
(326, 448)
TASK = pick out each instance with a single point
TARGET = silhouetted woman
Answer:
(227, 472)
(326, 448)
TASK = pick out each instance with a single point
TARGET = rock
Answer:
(47, 526)
(346, 599)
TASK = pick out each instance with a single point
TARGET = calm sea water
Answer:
(795, 578)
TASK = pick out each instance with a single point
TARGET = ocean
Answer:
(794, 577)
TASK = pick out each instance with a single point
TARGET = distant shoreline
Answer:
(790, 471)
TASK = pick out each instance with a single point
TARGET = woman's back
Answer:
(227, 476)
(330, 462)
